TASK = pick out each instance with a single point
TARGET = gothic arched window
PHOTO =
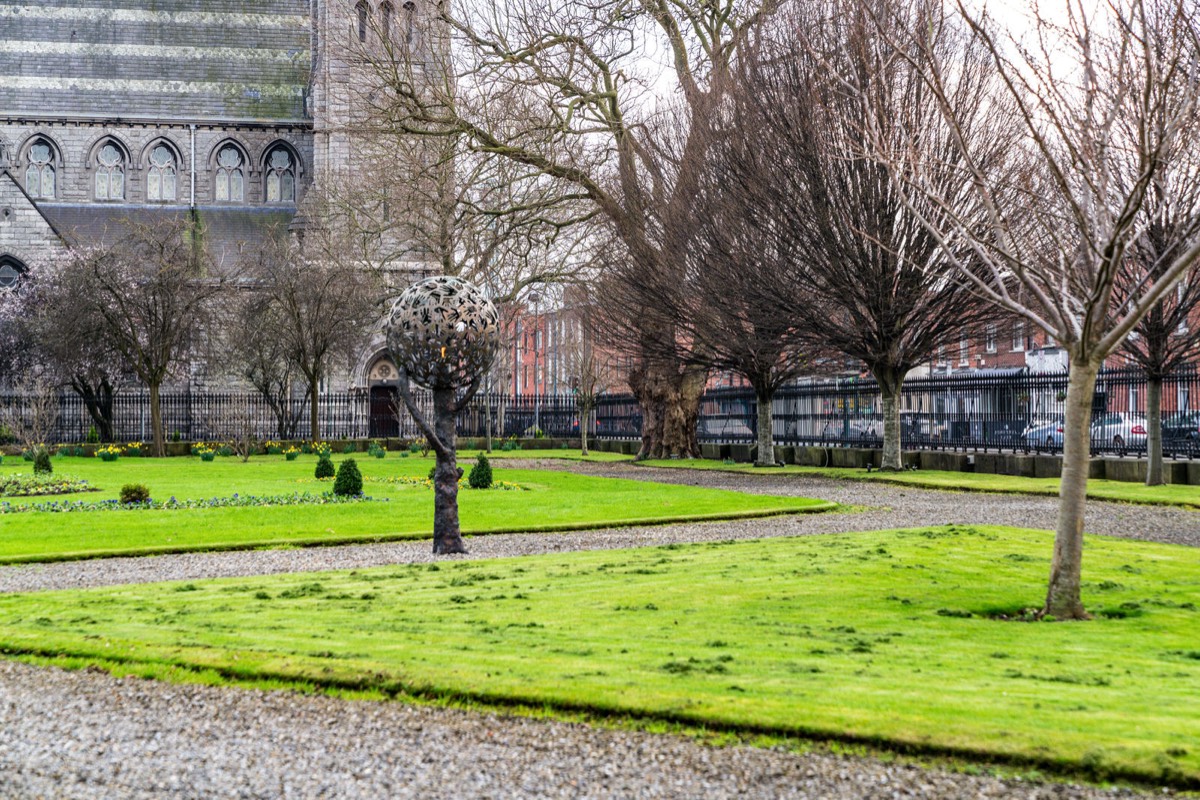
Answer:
(11, 272)
(160, 179)
(231, 176)
(281, 176)
(39, 177)
(386, 13)
(410, 22)
(362, 11)
(110, 173)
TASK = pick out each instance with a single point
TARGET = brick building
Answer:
(232, 111)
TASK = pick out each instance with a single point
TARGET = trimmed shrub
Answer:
(348, 482)
(481, 473)
(432, 471)
(349, 448)
(324, 466)
(134, 493)
(92, 436)
(41, 462)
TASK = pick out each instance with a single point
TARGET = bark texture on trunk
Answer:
(1154, 443)
(314, 389)
(890, 380)
(160, 445)
(766, 429)
(585, 416)
(1062, 597)
(447, 537)
(670, 401)
(98, 400)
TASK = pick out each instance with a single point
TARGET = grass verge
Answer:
(555, 501)
(888, 639)
(1098, 489)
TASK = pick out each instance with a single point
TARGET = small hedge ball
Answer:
(134, 493)
(324, 466)
(41, 462)
(481, 473)
(349, 482)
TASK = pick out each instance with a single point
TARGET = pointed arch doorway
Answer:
(384, 421)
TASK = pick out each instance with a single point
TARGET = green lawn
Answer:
(554, 501)
(1098, 489)
(887, 638)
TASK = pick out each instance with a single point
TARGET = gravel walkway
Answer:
(90, 736)
(887, 507)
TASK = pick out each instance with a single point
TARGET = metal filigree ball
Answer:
(443, 333)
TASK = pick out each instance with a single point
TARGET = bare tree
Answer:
(151, 294)
(257, 351)
(588, 368)
(826, 95)
(731, 306)
(1103, 98)
(319, 308)
(1168, 337)
(31, 415)
(561, 89)
(71, 344)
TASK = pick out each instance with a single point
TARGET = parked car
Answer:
(1181, 433)
(851, 430)
(1119, 429)
(1045, 435)
(917, 427)
(723, 429)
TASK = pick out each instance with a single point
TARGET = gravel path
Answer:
(888, 506)
(86, 735)
(89, 735)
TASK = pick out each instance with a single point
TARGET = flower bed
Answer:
(19, 485)
(405, 480)
(233, 501)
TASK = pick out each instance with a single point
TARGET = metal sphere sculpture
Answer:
(443, 333)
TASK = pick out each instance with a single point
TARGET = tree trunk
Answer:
(890, 381)
(1062, 598)
(670, 401)
(585, 415)
(766, 429)
(487, 421)
(314, 427)
(98, 400)
(160, 446)
(447, 538)
(1154, 443)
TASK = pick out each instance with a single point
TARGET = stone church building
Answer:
(231, 110)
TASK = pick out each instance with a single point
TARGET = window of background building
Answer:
(362, 11)
(281, 177)
(231, 180)
(161, 178)
(1018, 340)
(964, 350)
(10, 273)
(990, 338)
(110, 173)
(39, 177)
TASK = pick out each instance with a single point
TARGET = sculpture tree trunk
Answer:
(447, 537)
(1063, 599)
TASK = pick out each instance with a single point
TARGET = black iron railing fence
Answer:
(1012, 410)
(210, 416)
(1001, 410)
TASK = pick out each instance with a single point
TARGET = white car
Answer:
(1119, 430)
